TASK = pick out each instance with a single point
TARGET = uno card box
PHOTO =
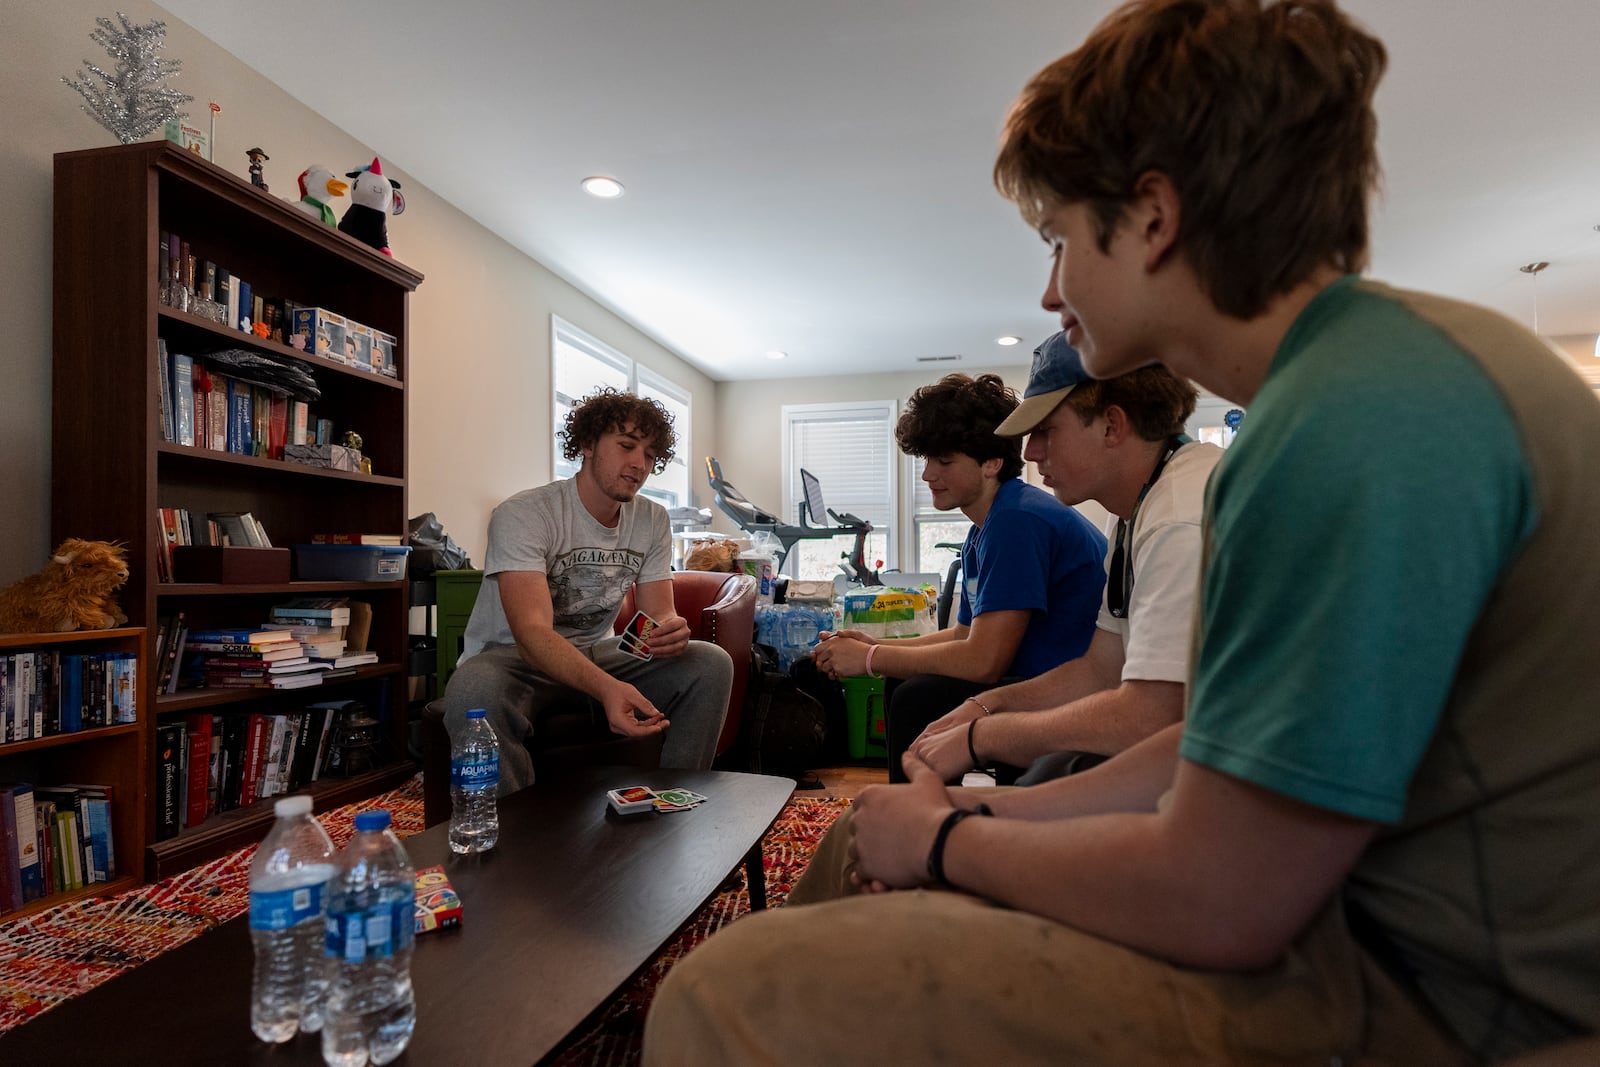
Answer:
(321, 333)
(358, 346)
(383, 354)
(438, 905)
(631, 800)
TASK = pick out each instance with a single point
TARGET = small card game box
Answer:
(438, 906)
(631, 800)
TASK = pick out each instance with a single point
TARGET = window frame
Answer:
(566, 333)
(790, 475)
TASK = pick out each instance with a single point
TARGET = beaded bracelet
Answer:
(981, 704)
(936, 853)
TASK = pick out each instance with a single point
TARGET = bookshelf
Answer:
(105, 755)
(113, 470)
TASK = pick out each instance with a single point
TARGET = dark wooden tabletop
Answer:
(572, 903)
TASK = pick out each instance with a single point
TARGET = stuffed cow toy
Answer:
(74, 592)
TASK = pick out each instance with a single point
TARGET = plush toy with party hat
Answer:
(373, 198)
(317, 187)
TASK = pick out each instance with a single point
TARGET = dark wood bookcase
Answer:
(103, 755)
(112, 470)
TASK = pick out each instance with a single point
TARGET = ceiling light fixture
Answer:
(601, 186)
(1534, 269)
(775, 354)
(1008, 340)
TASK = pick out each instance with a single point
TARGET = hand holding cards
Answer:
(634, 799)
(636, 635)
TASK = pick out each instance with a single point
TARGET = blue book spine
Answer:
(244, 306)
(99, 822)
(71, 693)
(27, 838)
(183, 397)
(241, 412)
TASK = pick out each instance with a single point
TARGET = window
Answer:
(851, 450)
(932, 527)
(579, 365)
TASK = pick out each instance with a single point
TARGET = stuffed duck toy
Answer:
(317, 187)
(373, 198)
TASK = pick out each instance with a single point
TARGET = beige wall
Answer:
(479, 385)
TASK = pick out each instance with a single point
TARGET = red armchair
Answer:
(720, 608)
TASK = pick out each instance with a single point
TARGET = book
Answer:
(164, 384)
(351, 659)
(199, 768)
(19, 816)
(183, 398)
(217, 413)
(169, 788)
(296, 681)
(438, 904)
(278, 426)
(322, 611)
(356, 539)
(239, 408)
(242, 635)
(360, 626)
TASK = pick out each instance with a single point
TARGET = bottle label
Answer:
(475, 773)
(280, 909)
(375, 933)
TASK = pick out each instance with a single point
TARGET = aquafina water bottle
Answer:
(288, 883)
(371, 928)
(474, 781)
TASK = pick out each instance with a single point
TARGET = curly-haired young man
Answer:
(561, 558)
(1030, 565)
(1372, 840)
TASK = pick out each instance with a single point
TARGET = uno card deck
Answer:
(631, 800)
(677, 799)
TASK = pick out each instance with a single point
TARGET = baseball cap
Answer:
(1057, 370)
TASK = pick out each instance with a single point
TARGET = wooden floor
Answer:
(845, 781)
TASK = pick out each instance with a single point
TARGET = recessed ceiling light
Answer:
(775, 354)
(603, 187)
(1008, 340)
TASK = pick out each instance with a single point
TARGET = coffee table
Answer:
(573, 902)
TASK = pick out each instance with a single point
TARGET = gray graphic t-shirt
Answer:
(589, 568)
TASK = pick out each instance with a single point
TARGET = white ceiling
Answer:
(814, 176)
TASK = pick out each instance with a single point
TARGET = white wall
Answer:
(479, 374)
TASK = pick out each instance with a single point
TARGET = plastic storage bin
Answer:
(864, 716)
(350, 563)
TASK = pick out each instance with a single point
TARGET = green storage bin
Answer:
(454, 594)
(865, 716)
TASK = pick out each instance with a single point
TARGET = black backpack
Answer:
(783, 727)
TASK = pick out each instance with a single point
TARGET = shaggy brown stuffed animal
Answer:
(72, 593)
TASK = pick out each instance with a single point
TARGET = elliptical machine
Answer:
(753, 519)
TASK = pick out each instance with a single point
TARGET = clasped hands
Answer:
(842, 653)
(893, 828)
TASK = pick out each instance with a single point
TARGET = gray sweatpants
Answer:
(691, 690)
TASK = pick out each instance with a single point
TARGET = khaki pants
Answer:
(934, 977)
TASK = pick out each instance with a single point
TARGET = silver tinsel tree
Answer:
(135, 99)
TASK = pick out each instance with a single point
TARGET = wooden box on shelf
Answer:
(111, 444)
(94, 759)
(229, 564)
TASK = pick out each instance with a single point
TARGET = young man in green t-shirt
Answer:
(1373, 837)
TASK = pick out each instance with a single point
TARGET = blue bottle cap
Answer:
(372, 820)
(476, 713)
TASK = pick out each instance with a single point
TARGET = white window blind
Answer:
(850, 448)
(932, 527)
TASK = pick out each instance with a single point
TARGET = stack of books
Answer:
(269, 658)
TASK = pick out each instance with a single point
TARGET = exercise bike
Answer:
(754, 519)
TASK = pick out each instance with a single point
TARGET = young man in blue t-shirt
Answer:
(1031, 567)
(1373, 838)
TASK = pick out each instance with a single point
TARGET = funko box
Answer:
(358, 346)
(320, 332)
(383, 354)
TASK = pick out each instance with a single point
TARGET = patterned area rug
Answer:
(57, 954)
